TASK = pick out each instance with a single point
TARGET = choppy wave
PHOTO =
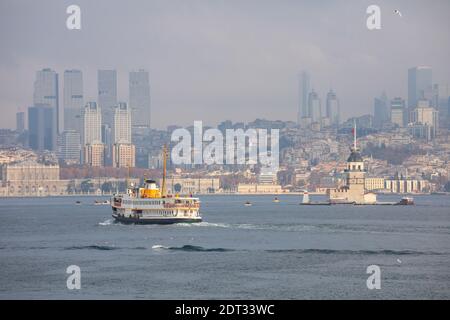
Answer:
(373, 229)
(249, 226)
(194, 248)
(190, 248)
(92, 247)
(203, 224)
(361, 252)
(102, 247)
(106, 222)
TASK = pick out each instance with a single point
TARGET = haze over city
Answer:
(250, 152)
(220, 60)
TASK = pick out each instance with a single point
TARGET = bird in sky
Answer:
(398, 12)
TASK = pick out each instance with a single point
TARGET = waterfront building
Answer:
(183, 186)
(406, 185)
(31, 178)
(373, 183)
(257, 188)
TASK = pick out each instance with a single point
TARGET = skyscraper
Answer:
(92, 123)
(304, 87)
(107, 94)
(46, 93)
(122, 124)
(41, 128)
(448, 113)
(124, 155)
(123, 152)
(94, 155)
(424, 120)
(93, 148)
(398, 112)
(380, 111)
(420, 82)
(314, 107)
(69, 147)
(441, 94)
(73, 99)
(333, 108)
(20, 121)
(139, 98)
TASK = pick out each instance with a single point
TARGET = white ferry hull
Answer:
(167, 210)
(154, 220)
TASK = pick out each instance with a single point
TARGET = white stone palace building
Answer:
(29, 179)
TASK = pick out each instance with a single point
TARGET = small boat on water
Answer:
(276, 200)
(248, 204)
(77, 202)
(405, 201)
(99, 203)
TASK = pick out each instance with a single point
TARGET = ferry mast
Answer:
(163, 187)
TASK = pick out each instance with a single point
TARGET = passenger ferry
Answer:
(150, 205)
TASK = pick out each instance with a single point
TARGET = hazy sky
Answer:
(213, 60)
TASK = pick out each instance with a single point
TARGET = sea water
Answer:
(265, 251)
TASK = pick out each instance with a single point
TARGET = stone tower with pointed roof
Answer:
(354, 189)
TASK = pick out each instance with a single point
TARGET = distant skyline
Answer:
(219, 60)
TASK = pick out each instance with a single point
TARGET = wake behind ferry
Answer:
(150, 205)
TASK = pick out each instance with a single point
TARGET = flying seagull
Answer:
(398, 12)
